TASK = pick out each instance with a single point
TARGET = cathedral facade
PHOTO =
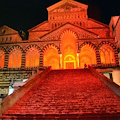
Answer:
(68, 40)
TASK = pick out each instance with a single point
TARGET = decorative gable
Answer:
(80, 32)
(9, 35)
(5, 30)
(68, 7)
(66, 11)
(66, 4)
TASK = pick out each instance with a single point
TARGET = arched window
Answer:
(107, 54)
(51, 57)
(15, 58)
(2, 58)
(87, 55)
(32, 57)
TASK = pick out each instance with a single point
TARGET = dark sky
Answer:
(25, 14)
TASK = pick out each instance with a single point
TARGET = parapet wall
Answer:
(13, 98)
(109, 83)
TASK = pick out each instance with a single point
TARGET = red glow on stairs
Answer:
(63, 92)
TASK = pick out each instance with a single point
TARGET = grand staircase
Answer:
(67, 94)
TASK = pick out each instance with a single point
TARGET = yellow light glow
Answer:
(87, 56)
(32, 57)
(2, 58)
(51, 58)
(15, 57)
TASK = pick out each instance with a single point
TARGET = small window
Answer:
(6, 38)
(2, 39)
(55, 25)
(10, 38)
(80, 24)
(3, 31)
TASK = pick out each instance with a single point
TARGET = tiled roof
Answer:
(67, 94)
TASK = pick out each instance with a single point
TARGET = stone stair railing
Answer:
(109, 83)
(7, 102)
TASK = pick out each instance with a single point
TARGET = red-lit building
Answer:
(69, 39)
(115, 29)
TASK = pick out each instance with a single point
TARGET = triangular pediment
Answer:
(67, 5)
(5, 30)
(80, 32)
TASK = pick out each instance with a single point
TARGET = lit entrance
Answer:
(69, 62)
(69, 50)
(69, 65)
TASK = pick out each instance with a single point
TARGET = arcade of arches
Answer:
(69, 39)
(68, 58)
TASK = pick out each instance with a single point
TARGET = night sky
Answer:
(25, 14)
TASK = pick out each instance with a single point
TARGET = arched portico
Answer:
(69, 50)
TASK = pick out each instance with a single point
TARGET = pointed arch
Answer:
(66, 31)
(107, 54)
(51, 57)
(15, 57)
(33, 46)
(2, 58)
(87, 55)
(32, 57)
(51, 45)
(15, 47)
(86, 43)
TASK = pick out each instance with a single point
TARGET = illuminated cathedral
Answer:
(67, 40)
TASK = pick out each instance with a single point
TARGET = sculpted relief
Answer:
(68, 7)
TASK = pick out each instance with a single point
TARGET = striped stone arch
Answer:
(50, 45)
(2, 56)
(87, 43)
(2, 48)
(87, 54)
(33, 46)
(113, 47)
(108, 43)
(32, 56)
(15, 56)
(14, 47)
(68, 30)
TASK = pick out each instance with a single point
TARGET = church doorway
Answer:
(69, 65)
(69, 50)
(69, 62)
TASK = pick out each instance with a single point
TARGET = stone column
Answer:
(78, 57)
(98, 58)
(23, 60)
(41, 60)
(60, 60)
(6, 61)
